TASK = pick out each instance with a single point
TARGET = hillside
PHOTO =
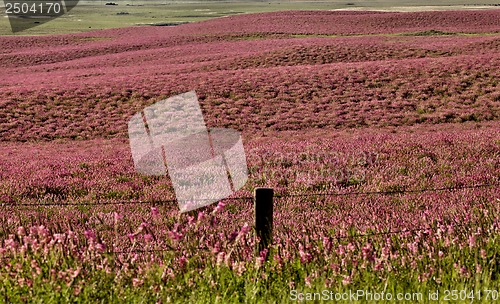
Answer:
(272, 71)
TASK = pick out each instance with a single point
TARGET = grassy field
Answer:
(380, 136)
(95, 15)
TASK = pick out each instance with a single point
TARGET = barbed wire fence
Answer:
(244, 198)
(277, 196)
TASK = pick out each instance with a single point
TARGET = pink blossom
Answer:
(201, 216)
(148, 238)
(21, 231)
(117, 217)
(245, 229)
(307, 281)
(472, 241)
(220, 207)
(347, 280)
(90, 235)
(136, 282)
(100, 247)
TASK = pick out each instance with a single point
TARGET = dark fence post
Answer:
(263, 201)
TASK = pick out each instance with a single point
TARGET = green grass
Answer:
(267, 283)
(429, 33)
(95, 15)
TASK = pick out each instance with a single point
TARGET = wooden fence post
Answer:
(263, 201)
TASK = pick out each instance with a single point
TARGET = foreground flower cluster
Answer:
(436, 238)
(206, 256)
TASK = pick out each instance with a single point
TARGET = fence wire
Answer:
(279, 196)
(246, 198)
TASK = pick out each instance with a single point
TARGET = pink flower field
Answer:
(379, 133)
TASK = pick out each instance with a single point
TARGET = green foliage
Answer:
(271, 282)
